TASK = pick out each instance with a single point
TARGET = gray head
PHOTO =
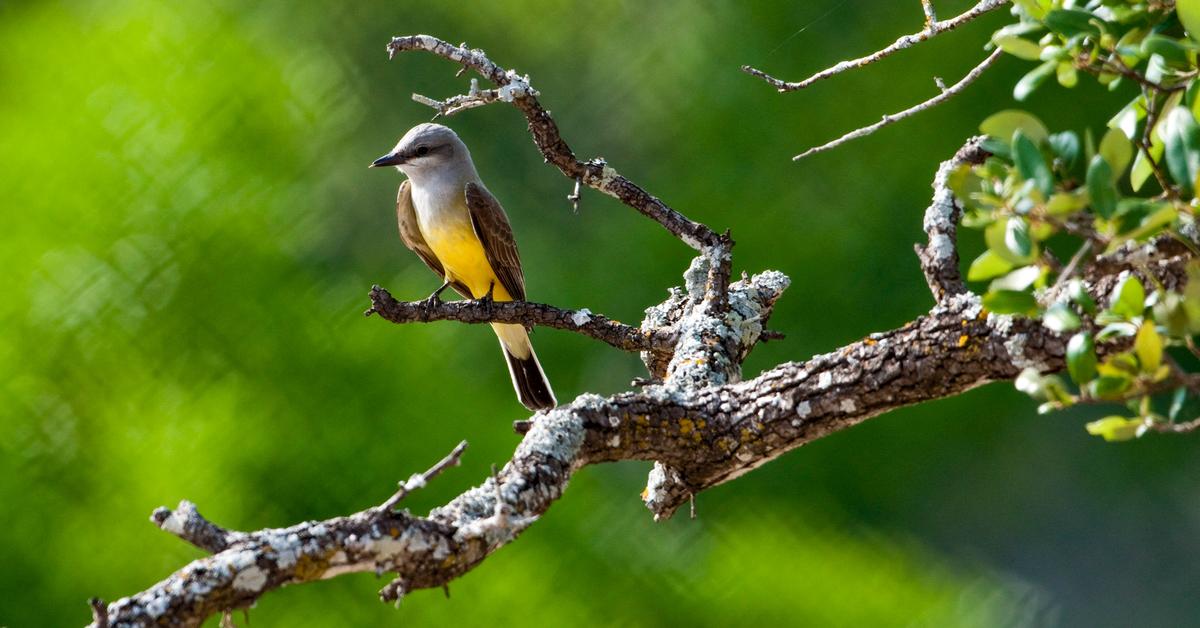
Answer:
(425, 149)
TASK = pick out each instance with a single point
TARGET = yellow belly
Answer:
(461, 254)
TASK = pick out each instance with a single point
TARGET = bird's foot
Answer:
(487, 301)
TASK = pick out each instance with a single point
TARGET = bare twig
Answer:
(942, 97)
(1072, 266)
(931, 21)
(187, 523)
(932, 28)
(595, 173)
(99, 612)
(1185, 427)
(419, 480)
(602, 328)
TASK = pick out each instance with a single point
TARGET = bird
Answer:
(452, 222)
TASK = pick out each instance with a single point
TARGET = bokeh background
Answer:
(189, 232)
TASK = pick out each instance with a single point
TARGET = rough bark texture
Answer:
(699, 422)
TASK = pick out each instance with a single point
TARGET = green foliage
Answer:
(1040, 194)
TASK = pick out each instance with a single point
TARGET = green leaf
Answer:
(1079, 296)
(1033, 80)
(1004, 124)
(1143, 168)
(1035, 8)
(1177, 401)
(1128, 118)
(1066, 74)
(1129, 298)
(1182, 141)
(1066, 203)
(1148, 346)
(1116, 330)
(1189, 15)
(1110, 387)
(1153, 222)
(1018, 47)
(1069, 22)
(1031, 164)
(1117, 151)
(1016, 238)
(1166, 47)
(988, 266)
(1010, 302)
(1116, 428)
(1019, 279)
(1066, 149)
(1081, 357)
(1101, 187)
(995, 235)
(1061, 318)
(1030, 382)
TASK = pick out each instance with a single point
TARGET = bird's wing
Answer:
(492, 229)
(410, 235)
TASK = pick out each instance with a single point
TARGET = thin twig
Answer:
(419, 480)
(187, 523)
(945, 95)
(595, 173)
(930, 16)
(931, 29)
(1072, 265)
(1176, 428)
(99, 612)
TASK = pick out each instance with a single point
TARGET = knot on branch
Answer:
(711, 342)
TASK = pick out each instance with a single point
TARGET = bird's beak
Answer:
(390, 159)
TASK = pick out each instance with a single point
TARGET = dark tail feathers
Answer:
(533, 389)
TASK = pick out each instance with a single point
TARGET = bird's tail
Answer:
(533, 389)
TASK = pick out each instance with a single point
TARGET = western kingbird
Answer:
(450, 220)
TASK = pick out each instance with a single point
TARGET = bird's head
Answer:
(425, 148)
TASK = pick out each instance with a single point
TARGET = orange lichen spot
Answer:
(642, 419)
(310, 567)
(747, 435)
(870, 341)
(965, 321)
(962, 340)
(645, 493)
(686, 426)
(395, 532)
(700, 424)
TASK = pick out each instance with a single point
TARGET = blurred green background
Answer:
(190, 231)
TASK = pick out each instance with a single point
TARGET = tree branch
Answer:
(946, 94)
(932, 28)
(604, 329)
(595, 173)
(939, 258)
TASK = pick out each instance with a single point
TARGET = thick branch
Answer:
(932, 28)
(616, 334)
(595, 173)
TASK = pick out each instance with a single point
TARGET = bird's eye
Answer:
(422, 151)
